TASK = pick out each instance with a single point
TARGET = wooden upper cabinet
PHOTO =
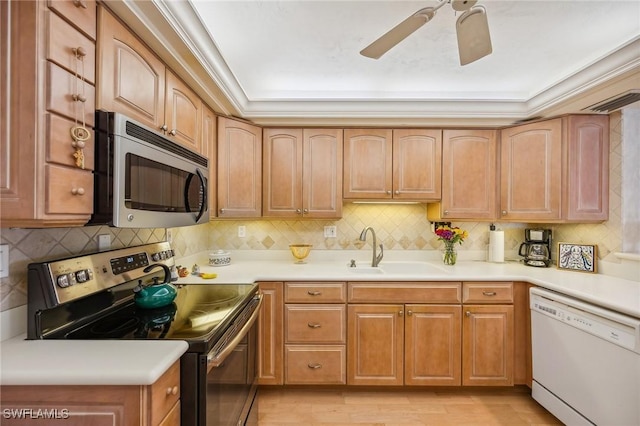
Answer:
(586, 192)
(302, 173)
(368, 163)
(469, 175)
(131, 79)
(531, 172)
(417, 164)
(210, 150)
(392, 164)
(183, 113)
(239, 169)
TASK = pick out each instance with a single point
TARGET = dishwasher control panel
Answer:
(625, 335)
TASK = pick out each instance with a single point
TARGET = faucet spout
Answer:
(376, 258)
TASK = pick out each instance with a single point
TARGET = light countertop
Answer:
(141, 362)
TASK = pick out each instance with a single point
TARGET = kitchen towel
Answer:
(496, 246)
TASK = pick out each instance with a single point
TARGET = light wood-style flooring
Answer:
(307, 406)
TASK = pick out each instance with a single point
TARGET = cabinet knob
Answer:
(445, 213)
(79, 98)
(164, 128)
(77, 191)
(489, 293)
(314, 366)
(80, 4)
(504, 212)
(397, 192)
(400, 312)
(305, 211)
(468, 313)
(173, 132)
(314, 325)
(78, 144)
(172, 391)
(388, 192)
(409, 312)
(298, 211)
(80, 51)
(221, 211)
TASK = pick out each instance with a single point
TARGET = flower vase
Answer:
(450, 255)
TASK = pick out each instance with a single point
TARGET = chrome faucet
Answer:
(375, 258)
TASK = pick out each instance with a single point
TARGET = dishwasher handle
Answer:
(216, 361)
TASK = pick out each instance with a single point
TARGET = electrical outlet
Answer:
(4, 260)
(104, 242)
(242, 231)
(330, 231)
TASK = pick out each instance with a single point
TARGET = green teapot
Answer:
(157, 294)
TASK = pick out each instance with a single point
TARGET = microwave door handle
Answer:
(203, 186)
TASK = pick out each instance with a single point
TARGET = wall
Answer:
(398, 227)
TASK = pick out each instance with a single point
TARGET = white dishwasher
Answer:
(586, 361)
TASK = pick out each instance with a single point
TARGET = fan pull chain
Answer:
(79, 132)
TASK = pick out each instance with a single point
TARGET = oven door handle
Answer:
(224, 353)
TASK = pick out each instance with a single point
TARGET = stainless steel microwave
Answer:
(144, 180)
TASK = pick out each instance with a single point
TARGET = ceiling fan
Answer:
(472, 28)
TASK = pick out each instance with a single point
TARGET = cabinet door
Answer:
(469, 170)
(368, 163)
(131, 79)
(531, 162)
(239, 169)
(587, 190)
(282, 173)
(270, 335)
(417, 163)
(322, 173)
(487, 348)
(209, 149)
(432, 345)
(183, 114)
(375, 344)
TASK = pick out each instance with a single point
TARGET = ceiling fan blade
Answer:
(474, 40)
(398, 33)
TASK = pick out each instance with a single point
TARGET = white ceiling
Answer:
(301, 57)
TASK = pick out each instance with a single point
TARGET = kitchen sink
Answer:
(399, 268)
(366, 270)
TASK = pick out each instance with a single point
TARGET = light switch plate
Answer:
(104, 242)
(242, 231)
(4, 260)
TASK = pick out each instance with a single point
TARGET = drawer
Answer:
(80, 13)
(315, 323)
(405, 292)
(69, 191)
(487, 292)
(165, 392)
(310, 292)
(59, 143)
(61, 87)
(62, 41)
(315, 365)
(173, 418)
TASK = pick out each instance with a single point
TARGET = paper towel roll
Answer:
(496, 246)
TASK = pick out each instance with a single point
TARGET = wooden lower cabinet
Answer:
(487, 336)
(404, 345)
(270, 335)
(156, 404)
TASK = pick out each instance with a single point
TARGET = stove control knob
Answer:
(63, 281)
(155, 257)
(83, 275)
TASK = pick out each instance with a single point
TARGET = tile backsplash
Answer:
(398, 227)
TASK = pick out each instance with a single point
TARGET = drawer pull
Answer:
(172, 391)
(173, 132)
(79, 98)
(314, 293)
(489, 293)
(468, 313)
(314, 325)
(79, 51)
(314, 366)
(80, 3)
(77, 191)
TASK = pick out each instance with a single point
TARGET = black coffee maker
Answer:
(536, 248)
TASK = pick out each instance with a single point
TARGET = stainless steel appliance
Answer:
(91, 297)
(586, 361)
(144, 180)
(536, 248)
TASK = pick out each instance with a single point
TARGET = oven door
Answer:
(231, 385)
